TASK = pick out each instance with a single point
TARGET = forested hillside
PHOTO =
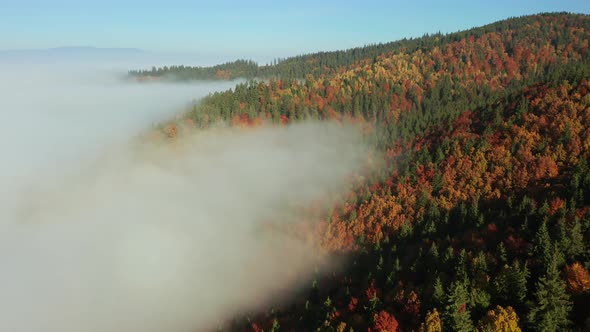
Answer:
(478, 213)
(322, 63)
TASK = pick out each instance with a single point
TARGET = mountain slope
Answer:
(323, 63)
(476, 209)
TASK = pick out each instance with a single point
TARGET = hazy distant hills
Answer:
(122, 57)
(90, 49)
(70, 53)
(75, 50)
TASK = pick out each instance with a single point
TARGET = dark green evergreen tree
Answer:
(542, 245)
(457, 316)
(572, 240)
(552, 304)
(502, 255)
(438, 295)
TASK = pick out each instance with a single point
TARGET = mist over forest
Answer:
(439, 183)
(103, 230)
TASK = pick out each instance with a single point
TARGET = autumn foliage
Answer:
(577, 278)
(479, 182)
(499, 320)
(432, 323)
(384, 322)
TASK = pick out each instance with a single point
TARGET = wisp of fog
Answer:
(101, 233)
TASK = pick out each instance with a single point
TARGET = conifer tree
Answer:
(502, 255)
(573, 242)
(457, 314)
(552, 304)
(542, 245)
(439, 293)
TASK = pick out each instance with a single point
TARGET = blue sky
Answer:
(254, 28)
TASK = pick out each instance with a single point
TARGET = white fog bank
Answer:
(101, 234)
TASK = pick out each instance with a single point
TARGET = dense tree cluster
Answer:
(477, 216)
(229, 70)
(329, 63)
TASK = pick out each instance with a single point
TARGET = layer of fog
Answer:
(100, 234)
(121, 58)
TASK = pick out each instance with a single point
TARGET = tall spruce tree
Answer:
(552, 304)
(542, 245)
(457, 314)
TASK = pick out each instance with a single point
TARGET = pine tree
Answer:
(480, 271)
(432, 259)
(552, 306)
(480, 300)
(562, 237)
(448, 256)
(439, 293)
(502, 255)
(461, 266)
(434, 251)
(482, 264)
(457, 314)
(517, 282)
(542, 245)
(574, 240)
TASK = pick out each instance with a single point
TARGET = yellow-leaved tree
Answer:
(499, 320)
(432, 323)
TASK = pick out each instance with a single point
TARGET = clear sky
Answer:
(253, 28)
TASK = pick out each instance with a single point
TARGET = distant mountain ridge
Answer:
(73, 54)
(74, 49)
(332, 62)
(92, 48)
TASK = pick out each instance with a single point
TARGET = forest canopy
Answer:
(475, 214)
